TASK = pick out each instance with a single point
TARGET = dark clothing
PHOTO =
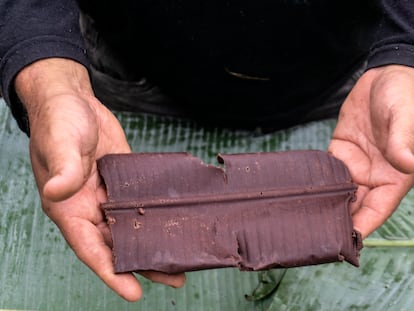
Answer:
(242, 63)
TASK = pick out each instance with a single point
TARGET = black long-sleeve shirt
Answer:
(287, 52)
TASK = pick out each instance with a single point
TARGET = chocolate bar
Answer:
(171, 212)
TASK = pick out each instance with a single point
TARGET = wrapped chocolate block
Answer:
(171, 212)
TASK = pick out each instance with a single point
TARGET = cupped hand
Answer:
(70, 129)
(375, 138)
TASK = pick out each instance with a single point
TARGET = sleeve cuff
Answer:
(392, 54)
(25, 53)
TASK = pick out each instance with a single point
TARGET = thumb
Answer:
(400, 145)
(68, 171)
(392, 115)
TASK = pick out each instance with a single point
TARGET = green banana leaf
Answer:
(38, 271)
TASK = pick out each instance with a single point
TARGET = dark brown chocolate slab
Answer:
(170, 212)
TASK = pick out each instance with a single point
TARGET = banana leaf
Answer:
(38, 271)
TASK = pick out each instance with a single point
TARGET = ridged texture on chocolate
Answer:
(170, 212)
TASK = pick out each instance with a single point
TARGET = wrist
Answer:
(37, 83)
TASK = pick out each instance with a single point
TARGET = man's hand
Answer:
(70, 129)
(375, 138)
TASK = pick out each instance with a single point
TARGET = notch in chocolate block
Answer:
(171, 212)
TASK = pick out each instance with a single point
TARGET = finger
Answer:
(354, 158)
(88, 244)
(379, 204)
(173, 280)
(366, 220)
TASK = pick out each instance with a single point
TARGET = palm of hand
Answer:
(366, 140)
